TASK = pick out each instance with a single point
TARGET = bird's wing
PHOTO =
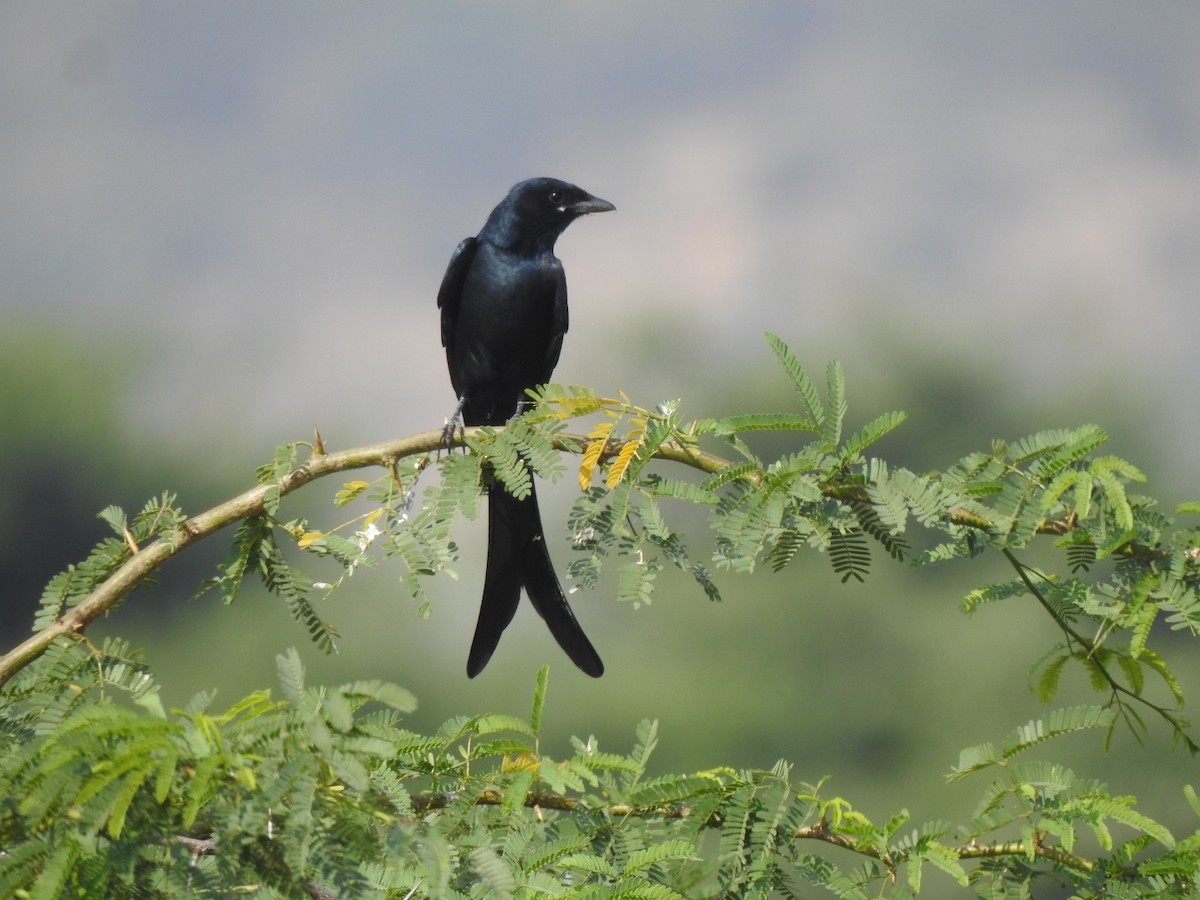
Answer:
(558, 325)
(450, 293)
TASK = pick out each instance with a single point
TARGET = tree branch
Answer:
(1089, 651)
(147, 560)
(818, 832)
(150, 558)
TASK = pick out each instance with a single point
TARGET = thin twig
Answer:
(1090, 649)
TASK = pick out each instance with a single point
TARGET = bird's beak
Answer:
(591, 205)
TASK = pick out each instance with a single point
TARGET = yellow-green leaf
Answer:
(308, 537)
(349, 491)
(620, 465)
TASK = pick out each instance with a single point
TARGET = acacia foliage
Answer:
(323, 792)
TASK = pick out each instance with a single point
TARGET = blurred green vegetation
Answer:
(848, 660)
(69, 450)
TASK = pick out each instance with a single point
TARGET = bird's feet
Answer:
(454, 425)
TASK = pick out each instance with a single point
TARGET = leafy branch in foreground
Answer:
(323, 792)
(1126, 565)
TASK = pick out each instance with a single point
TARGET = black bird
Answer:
(504, 313)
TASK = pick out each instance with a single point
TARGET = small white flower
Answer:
(367, 535)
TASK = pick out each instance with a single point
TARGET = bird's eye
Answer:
(556, 197)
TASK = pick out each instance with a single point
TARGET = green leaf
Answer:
(1059, 722)
(1048, 682)
(290, 670)
(589, 862)
(835, 406)
(849, 554)
(115, 517)
(800, 380)
(972, 759)
(763, 422)
(492, 871)
(991, 593)
(731, 473)
(1119, 810)
(649, 856)
(870, 433)
(348, 492)
(539, 700)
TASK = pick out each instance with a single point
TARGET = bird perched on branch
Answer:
(504, 313)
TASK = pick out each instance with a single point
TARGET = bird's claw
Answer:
(451, 429)
(454, 426)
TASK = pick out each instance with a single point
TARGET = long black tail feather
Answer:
(518, 557)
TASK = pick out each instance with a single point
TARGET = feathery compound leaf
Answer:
(800, 379)
(293, 586)
(556, 851)
(657, 486)
(597, 442)
(290, 670)
(1139, 631)
(537, 446)
(869, 434)
(870, 522)
(539, 700)
(503, 451)
(972, 759)
(646, 736)
(349, 491)
(1048, 682)
(616, 471)
(835, 406)
(252, 540)
(462, 477)
(1117, 501)
(386, 693)
(643, 859)
(1060, 446)
(589, 862)
(889, 504)
(60, 591)
(763, 422)
(785, 548)
(991, 593)
(670, 790)
(1118, 809)
(114, 516)
(1063, 482)
(1149, 658)
(274, 472)
(635, 581)
(1116, 466)
(280, 465)
(1081, 551)
(1059, 722)
(492, 871)
(849, 554)
(929, 498)
(564, 402)
(733, 473)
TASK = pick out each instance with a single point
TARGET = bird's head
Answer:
(537, 211)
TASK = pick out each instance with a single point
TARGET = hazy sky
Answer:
(266, 194)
